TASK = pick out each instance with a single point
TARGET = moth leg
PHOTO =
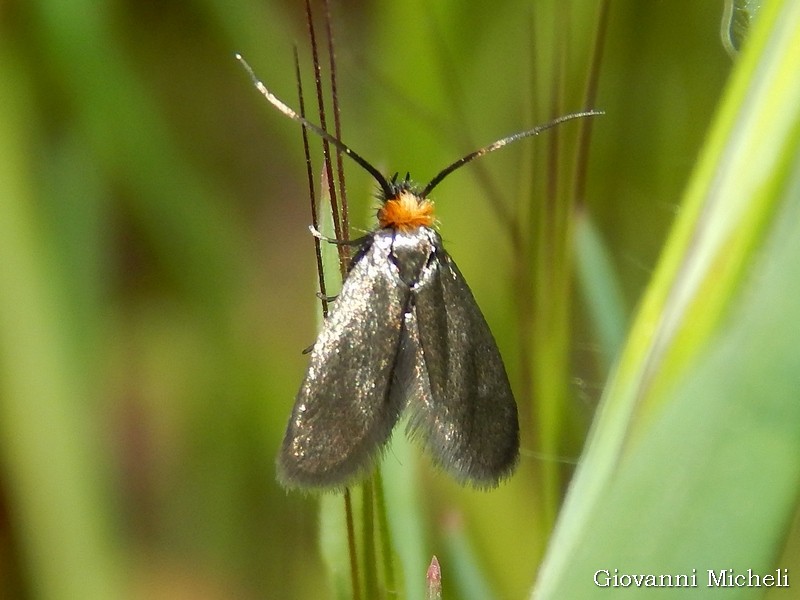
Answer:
(356, 242)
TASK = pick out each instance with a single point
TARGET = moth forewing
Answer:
(343, 414)
(469, 423)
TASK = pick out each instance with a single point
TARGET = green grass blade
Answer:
(599, 287)
(693, 460)
(52, 460)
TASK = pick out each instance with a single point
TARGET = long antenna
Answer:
(504, 142)
(277, 103)
(386, 187)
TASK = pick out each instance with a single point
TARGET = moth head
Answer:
(406, 208)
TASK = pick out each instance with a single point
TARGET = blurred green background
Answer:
(157, 277)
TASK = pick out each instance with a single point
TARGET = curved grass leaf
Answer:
(694, 460)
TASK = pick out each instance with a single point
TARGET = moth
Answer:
(405, 335)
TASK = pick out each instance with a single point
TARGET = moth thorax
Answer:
(406, 211)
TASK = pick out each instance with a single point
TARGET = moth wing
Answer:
(344, 412)
(465, 416)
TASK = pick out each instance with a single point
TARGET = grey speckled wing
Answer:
(344, 412)
(466, 418)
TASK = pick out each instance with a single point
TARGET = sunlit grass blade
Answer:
(694, 459)
(406, 514)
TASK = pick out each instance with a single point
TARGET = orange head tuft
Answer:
(406, 211)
